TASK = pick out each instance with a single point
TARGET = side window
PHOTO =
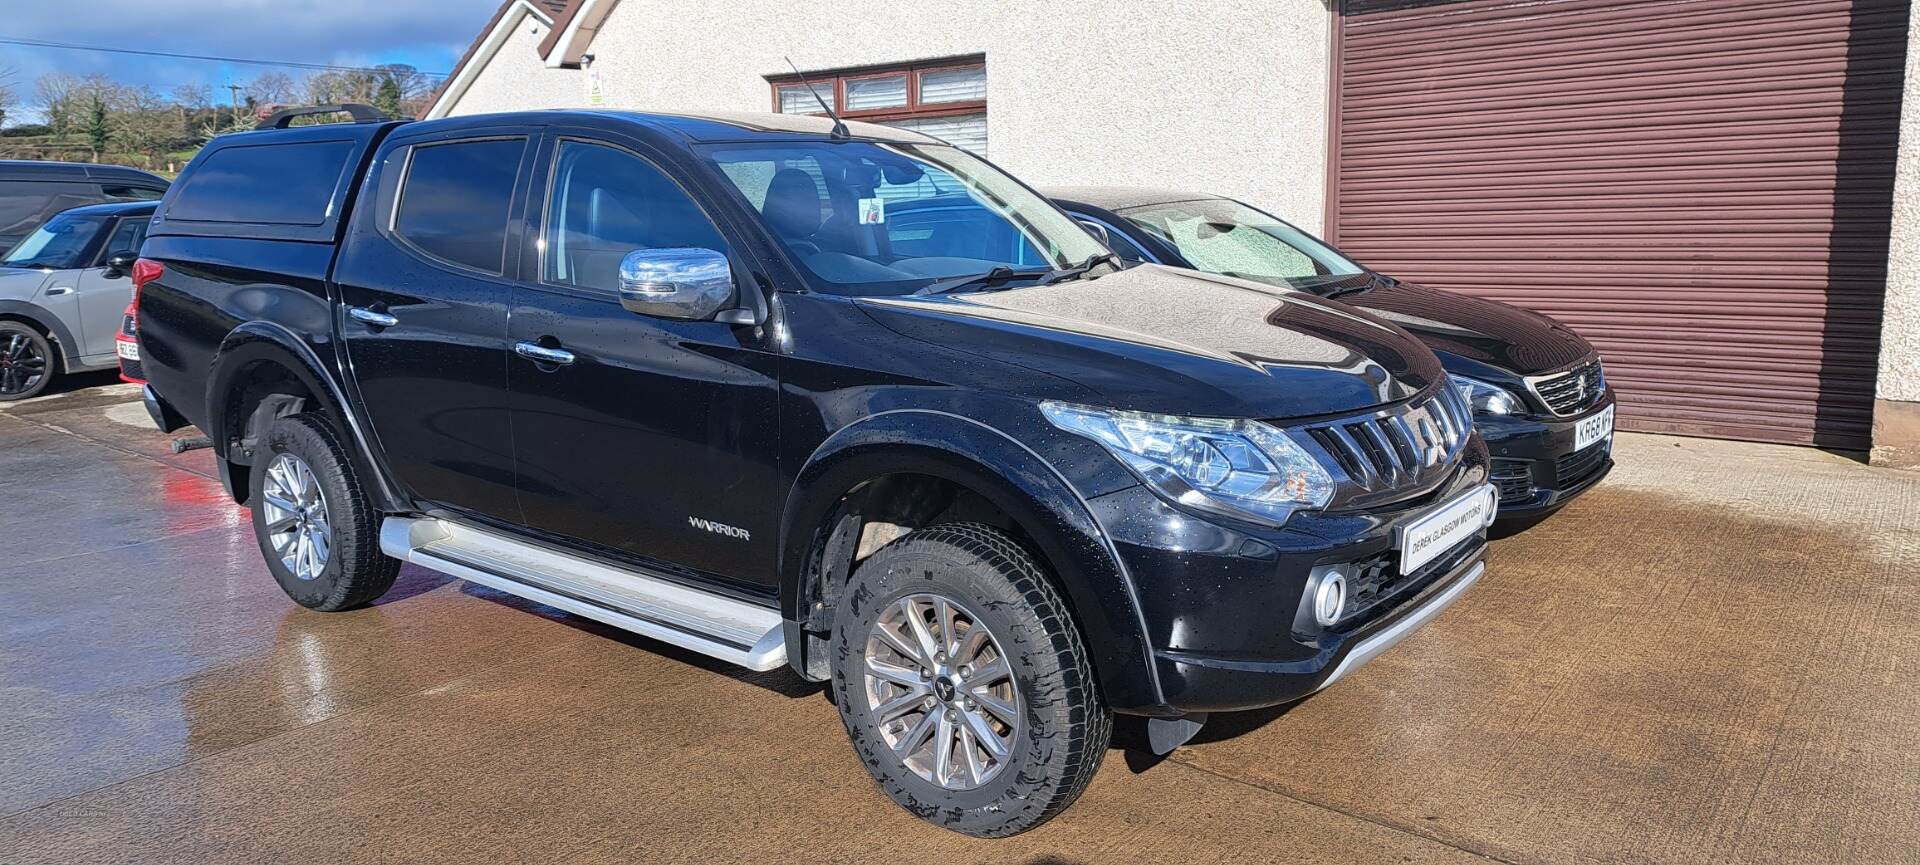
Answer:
(1122, 245)
(26, 204)
(270, 184)
(127, 237)
(454, 201)
(605, 203)
(132, 193)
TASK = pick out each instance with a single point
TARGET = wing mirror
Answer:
(1097, 230)
(681, 282)
(120, 263)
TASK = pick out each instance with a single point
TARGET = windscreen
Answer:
(870, 218)
(1222, 236)
(59, 244)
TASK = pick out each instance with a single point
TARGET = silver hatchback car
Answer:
(63, 292)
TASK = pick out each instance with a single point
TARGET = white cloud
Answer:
(429, 34)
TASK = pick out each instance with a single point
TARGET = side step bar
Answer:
(734, 631)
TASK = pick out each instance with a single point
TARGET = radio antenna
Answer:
(839, 126)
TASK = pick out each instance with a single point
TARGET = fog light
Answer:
(1330, 600)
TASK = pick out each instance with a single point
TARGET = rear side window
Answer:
(26, 204)
(132, 193)
(127, 237)
(455, 198)
(265, 184)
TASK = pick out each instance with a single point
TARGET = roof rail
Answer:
(360, 113)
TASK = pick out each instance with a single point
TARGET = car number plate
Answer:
(1444, 527)
(1593, 429)
(128, 350)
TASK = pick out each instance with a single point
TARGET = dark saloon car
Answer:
(1539, 395)
(32, 192)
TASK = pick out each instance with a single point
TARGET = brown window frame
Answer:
(835, 81)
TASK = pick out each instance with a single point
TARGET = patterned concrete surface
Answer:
(1713, 658)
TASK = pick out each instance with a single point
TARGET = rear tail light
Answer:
(145, 270)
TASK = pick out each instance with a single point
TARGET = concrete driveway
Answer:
(1715, 657)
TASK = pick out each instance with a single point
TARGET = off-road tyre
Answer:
(1065, 725)
(356, 572)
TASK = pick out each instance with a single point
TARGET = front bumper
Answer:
(1535, 465)
(1226, 605)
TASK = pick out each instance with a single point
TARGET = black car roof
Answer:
(1120, 197)
(26, 169)
(113, 208)
(747, 125)
(710, 126)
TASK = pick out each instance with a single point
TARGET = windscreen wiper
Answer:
(1374, 281)
(990, 279)
(1079, 270)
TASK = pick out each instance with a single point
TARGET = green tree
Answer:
(98, 127)
(387, 98)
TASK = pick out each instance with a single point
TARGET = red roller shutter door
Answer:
(1702, 188)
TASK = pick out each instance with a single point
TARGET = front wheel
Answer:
(964, 684)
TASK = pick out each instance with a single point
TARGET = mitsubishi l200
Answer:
(689, 376)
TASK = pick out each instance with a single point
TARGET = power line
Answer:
(324, 67)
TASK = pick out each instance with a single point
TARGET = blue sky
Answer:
(429, 34)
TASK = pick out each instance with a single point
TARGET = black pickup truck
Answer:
(684, 375)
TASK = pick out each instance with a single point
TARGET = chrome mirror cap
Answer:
(679, 282)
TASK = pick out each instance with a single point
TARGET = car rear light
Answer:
(145, 270)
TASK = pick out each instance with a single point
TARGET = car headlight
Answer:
(1240, 467)
(1484, 398)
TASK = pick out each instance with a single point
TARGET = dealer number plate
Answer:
(128, 350)
(1444, 527)
(1593, 429)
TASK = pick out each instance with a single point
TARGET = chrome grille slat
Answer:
(1572, 391)
(1400, 448)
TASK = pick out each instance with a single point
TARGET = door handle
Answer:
(538, 353)
(58, 290)
(372, 317)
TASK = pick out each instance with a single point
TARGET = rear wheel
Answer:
(319, 532)
(26, 361)
(963, 682)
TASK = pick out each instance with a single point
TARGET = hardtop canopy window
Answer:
(868, 218)
(264, 184)
(946, 99)
(1219, 235)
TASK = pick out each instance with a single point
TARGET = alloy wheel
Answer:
(21, 364)
(296, 517)
(940, 689)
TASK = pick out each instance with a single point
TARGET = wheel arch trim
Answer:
(56, 328)
(1015, 478)
(262, 341)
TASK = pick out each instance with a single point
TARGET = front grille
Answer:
(131, 369)
(1572, 391)
(1513, 478)
(1394, 448)
(1580, 465)
(1375, 582)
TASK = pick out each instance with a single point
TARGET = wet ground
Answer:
(1715, 657)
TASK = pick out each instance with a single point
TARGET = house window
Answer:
(946, 99)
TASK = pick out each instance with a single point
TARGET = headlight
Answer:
(1484, 398)
(1240, 467)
